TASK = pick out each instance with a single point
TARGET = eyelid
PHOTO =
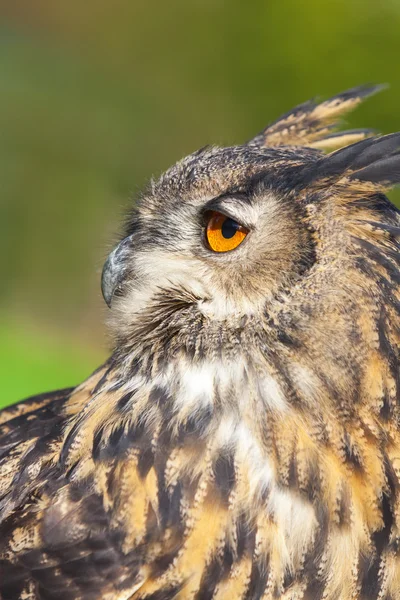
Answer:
(227, 207)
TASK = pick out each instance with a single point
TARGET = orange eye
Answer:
(222, 233)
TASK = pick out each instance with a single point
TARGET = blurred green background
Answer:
(97, 96)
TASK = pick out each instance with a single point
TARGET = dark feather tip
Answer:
(361, 91)
(357, 157)
(386, 170)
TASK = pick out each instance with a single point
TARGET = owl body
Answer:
(242, 441)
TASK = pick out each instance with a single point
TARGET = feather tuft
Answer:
(373, 161)
(310, 124)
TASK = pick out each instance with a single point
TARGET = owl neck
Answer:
(274, 421)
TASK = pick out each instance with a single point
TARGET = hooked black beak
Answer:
(114, 270)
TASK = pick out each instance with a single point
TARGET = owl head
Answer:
(256, 233)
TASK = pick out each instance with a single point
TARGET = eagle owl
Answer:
(242, 442)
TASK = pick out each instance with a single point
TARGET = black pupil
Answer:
(229, 228)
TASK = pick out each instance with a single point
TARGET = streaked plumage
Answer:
(242, 442)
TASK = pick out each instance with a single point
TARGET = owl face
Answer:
(273, 231)
(219, 229)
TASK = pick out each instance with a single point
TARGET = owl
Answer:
(242, 442)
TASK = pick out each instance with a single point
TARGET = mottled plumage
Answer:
(242, 442)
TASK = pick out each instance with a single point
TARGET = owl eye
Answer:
(223, 233)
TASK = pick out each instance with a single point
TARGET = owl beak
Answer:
(115, 270)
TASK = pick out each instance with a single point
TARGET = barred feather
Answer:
(311, 124)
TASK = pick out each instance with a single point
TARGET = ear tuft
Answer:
(385, 172)
(311, 124)
(373, 162)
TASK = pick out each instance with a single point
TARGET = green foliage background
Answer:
(96, 96)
